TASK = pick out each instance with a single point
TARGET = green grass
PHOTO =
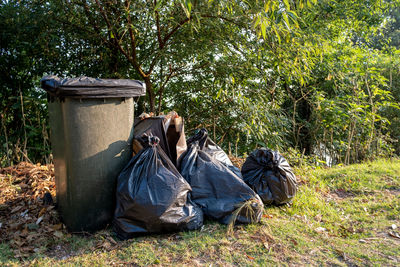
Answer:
(341, 216)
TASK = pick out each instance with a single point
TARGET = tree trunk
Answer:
(150, 94)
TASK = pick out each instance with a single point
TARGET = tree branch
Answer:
(223, 136)
(115, 41)
(163, 41)
(162, 87)
(180, 24)
(133, 43)
(220, 17)
(160, 41)
(91, 21)
(104, 15)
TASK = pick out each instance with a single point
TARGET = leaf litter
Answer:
(28, 223)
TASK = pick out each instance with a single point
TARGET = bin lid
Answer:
(86, 87)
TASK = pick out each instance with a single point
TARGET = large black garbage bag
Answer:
(217, 189)
(152, 197)
(270, 176)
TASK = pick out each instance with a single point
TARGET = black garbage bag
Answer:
(207, 145)
(268, 173)
(152, 197)
(216, 188)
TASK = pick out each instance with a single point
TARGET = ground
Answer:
(340, 216)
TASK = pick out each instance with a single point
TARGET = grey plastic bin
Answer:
(91, 122)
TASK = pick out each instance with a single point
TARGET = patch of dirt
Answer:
(393, 191)
(340, 194)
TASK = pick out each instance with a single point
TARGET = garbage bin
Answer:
(91, 122)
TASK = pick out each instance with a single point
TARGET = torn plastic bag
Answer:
(152, 197)
(217, 189)
(269, 174)
(168, 128)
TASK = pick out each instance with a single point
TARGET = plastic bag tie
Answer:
(154, 140)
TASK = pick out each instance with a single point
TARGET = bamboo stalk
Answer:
(24, 152)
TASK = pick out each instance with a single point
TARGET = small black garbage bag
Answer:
(152, 197)
(218, 189)
(270, 176)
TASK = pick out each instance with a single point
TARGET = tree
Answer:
(33, 43)
(24, 35)
(165, 39)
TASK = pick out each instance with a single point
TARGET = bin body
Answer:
(91, 143)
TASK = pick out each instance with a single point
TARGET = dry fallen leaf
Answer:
(15, 226)
(23, 185)
(49, 208)
(268, 216)
(341, 253)
(106, 245)
(32, 236)
(57, 226)
(109, 238)
(16, 209)
(24, 232)
(250, 257)
(42, 211)
(19, 243)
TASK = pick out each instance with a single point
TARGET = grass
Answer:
(341, 216)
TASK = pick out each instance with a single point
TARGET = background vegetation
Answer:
(313, 78)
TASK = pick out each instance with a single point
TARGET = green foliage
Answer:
(320, 78)
(23, 109)
(32, 45)
(347, 120)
